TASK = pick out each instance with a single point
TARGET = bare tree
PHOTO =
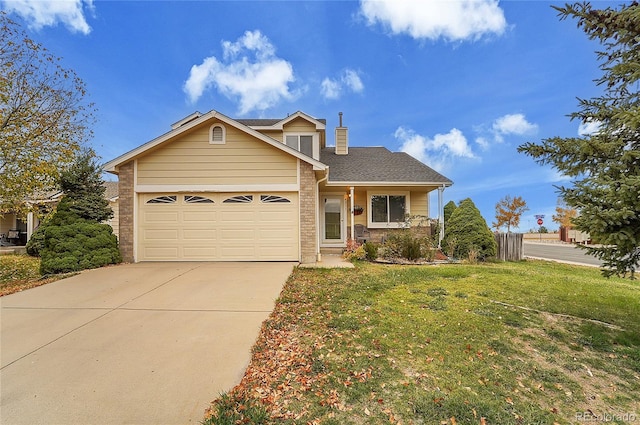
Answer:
(44, 120)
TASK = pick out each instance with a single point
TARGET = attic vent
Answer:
(217, 134)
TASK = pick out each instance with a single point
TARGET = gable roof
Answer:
(196, 119)
(378, 165)
(279, 123)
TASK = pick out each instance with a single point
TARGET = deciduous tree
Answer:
(605, 165)
(44, 119)
(564, 215)
(508, 212)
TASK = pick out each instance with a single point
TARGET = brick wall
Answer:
(125, 199)
(308, 231)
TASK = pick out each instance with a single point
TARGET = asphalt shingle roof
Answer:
(378, 164)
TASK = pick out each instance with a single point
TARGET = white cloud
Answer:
(42, 13)
(330, 89)
(436, 152)
(453, 20)
(512, 124)
(483, 142)
(589, 128)
(348, 80)
(249, 72)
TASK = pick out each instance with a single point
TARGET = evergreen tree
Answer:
(84, 189)
(449, 208)
(75, 238)
(469, 230)
(605, 165)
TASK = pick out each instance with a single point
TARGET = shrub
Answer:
(354, 251)
(470, 232)
(36, 243)
(371, 249)
(75, 239)
(80, 245)
(405, 244)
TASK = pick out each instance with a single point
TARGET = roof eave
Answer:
(387, 183)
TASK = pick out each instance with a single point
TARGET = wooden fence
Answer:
(510, 246)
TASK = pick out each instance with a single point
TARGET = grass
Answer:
(19, 272)
(502, 343)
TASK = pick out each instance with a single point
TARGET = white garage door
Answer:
(218, 227)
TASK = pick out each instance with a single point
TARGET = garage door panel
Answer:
(161, 234)
(218, 231)
(160, 253)
(233, 235)
(200, 253)
(199, 234)
(246, 252)
(160, 216)
(233, 215)
(199, 216)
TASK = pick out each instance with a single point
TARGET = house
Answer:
(11, 224)
(215, 188)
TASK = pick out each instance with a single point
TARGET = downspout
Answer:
(440, 215)
(326, 176)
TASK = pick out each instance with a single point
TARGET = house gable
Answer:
(190, 159)
(195, 122)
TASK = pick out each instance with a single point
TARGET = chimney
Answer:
(342, 138)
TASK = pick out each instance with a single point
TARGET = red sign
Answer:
(540, 222)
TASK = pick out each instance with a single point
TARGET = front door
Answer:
(332, 220)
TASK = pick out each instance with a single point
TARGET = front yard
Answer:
(19, 272)
(500, 343)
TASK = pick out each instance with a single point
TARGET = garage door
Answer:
(218, 227)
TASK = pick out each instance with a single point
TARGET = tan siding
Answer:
(299, 125)
(274, 134)
(241, 160)
(419, 204)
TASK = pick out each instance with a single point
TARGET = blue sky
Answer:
(457, 84)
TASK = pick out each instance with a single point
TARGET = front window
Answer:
(388, 209)
(301, 143)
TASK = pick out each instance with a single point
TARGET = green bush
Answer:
(36, 243)
(405, 244)
(467, 232)
(371, 249)
(80, 245)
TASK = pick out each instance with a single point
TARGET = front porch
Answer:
(345, 212)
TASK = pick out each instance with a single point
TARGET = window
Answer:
(163, 200)
(301, 143)
(272, 199)
(240, 199)
(192, 199)
(388, 209)
(217, 134)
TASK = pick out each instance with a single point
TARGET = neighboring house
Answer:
(220, 189)
(10, 223)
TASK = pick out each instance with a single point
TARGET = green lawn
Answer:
(499, 343)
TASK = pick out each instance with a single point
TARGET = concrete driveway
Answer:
(146, 343)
